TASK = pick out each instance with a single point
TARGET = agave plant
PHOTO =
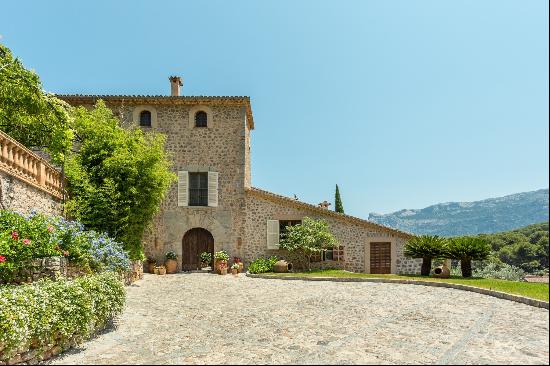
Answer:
(466, 249)
(427, 247)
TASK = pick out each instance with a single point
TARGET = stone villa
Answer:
(214, 206)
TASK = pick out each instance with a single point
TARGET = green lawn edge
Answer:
(533, 290)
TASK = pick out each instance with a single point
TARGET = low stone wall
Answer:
(56, 267)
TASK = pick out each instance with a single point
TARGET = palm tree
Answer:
(466, 249)
(427, 247)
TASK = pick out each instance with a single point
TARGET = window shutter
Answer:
(213, 189)
(183, 188)
(272, 234)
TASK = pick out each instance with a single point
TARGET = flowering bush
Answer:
(206, 257)
(221, 255)
(61, 311)
(171, 255)
(38, 236)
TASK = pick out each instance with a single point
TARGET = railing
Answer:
(21, 163)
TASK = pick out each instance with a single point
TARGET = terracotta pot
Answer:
(171, 266)
(204, 265)
(152, 266)
(442, 271)
(234, 271)
(241, 267)
(222, 271)
(161, 270)
(282, 266)
(217, 266)
(156, 270)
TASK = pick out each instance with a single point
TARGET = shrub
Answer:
(206, 257)
(427, 247)
(37, 236)
(62, 311)
(221, 256)
(502, 271)
(171, 255)
(262, 265)
(308, 238)
(466, 249)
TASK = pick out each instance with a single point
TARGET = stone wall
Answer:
(21, 197)
(353, 234)
(27, 181)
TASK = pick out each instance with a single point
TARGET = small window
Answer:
(198, 189)
(145, 119)
(201, 119)
(283, 224)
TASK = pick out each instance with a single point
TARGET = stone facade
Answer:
(238, 221)
(353, 234)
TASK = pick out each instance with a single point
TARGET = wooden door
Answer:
(194, 242)
(380, 258)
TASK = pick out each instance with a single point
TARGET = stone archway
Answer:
(194, 242)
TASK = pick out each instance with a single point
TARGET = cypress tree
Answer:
(338, 207)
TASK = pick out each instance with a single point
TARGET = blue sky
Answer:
(402, 103)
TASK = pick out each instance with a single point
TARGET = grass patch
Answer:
(537, 291)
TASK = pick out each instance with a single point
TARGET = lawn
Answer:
(537, 291)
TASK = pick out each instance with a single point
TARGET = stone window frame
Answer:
(209, 116)
(137, 112)
(393, 251)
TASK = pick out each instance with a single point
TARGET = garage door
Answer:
(380, 257)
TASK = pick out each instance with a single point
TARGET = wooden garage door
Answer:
(380, 257)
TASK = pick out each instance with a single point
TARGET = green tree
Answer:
(28, 114)
(338, 207)
(308, 238)
(466, 249)
(427, 247)
(118, 178)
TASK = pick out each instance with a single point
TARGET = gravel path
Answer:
(208, 319)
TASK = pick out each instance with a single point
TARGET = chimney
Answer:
(175, 84)
(324, 204)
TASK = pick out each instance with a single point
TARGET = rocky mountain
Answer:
(464, 218)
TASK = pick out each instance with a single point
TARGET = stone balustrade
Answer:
(21, 163)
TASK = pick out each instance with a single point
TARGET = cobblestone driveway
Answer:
(203, 318)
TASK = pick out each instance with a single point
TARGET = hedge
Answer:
(62, 312)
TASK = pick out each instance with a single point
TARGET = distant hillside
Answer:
(526, 248)
(466, 218)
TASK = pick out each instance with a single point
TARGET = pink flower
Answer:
(26, 241)
(50, 229)
(14, 235)
(2, 258)
(65, 253)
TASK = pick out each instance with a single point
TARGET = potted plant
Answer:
(239, 261)
(222, 268)
(171, 262)
(151, 264)
(161, 270)
(235, 269)
(221, 257)
(206, 259)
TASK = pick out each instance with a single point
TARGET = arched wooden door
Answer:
(194, 242)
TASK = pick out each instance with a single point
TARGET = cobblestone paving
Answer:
(204, 319)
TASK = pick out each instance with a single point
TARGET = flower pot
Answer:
(155, 270)
(217, 266)
(234, 271)
(152, 266)
(204, 265)
(161, 270)
(282, 266)
(241, 267)
(223, 271)
(171, 266)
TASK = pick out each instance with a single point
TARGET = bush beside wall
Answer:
(43, 318)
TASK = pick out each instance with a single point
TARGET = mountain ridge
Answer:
(489, 215)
